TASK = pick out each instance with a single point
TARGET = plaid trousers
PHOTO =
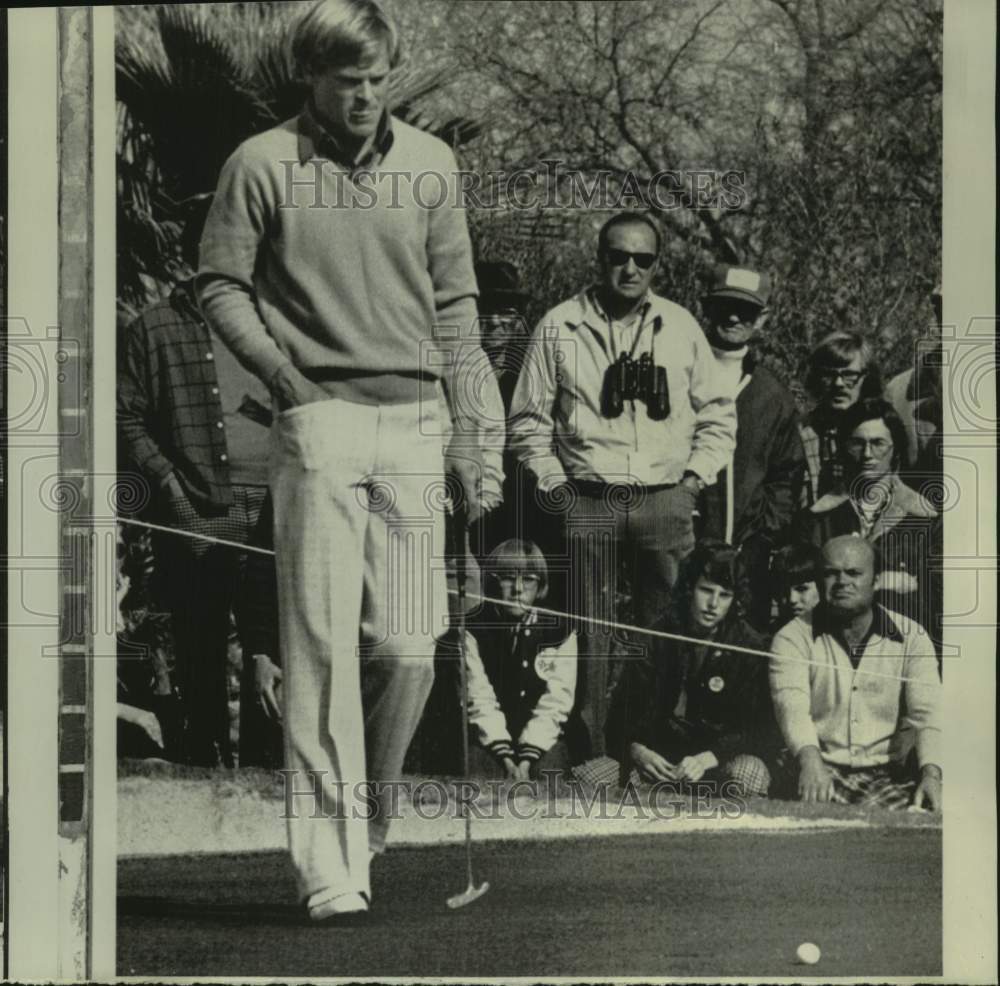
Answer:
(748, 772)
(872, 787)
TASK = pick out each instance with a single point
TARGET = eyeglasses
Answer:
(857, 446)
(619, 258)
(832, 374)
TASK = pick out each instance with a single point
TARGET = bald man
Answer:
(855, 689)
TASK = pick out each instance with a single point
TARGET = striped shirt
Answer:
(824, 470)
(170, 416)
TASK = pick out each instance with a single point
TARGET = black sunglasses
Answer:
(619, 258)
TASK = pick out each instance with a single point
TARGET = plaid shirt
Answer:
(169, 413)
(824, 470)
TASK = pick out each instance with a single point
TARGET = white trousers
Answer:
(359, 541)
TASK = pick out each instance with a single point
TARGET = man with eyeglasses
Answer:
(754, 501)
(352, 296)
(621, 417)
(841, 372)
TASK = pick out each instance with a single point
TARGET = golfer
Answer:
(327, 271)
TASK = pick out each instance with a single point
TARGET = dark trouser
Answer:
(256, 612)
(648, 530)
(756, 554)
(201, 581)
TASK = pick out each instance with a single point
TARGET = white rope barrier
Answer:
(595, 621)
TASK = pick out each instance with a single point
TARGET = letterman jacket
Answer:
(522, 680)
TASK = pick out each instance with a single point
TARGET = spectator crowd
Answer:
(685, 577)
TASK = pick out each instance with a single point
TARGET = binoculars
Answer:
(628, 380)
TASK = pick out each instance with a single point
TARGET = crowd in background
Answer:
(703, 521)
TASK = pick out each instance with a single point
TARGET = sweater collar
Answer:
(315, 140)
(883, 625)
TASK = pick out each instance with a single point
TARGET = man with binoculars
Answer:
(622, 419)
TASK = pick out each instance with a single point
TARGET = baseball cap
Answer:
(741, 283)
(499, 286)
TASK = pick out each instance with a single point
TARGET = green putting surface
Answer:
(699, 904)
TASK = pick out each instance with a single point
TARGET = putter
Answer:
(472, 891)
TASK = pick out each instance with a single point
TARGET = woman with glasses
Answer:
(872, 502)
(694, 712)
(521, 667)
(841, 372)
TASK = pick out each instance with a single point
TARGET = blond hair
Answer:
(339, 33)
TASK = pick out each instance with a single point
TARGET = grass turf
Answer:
(706, 904)
(268, 784)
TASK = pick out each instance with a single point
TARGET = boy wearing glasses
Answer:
(621, 418)
(521, 667)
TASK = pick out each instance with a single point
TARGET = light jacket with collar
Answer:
(909, 537)
(556, 425)
(852, 717)
(834, 513)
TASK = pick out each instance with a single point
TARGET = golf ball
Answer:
(808, 953)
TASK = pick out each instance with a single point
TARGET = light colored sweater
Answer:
(351, 281)
(855, 718)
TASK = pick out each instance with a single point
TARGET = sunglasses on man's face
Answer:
(619, 258)
(723, 310)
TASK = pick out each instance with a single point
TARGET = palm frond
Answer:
(193, 84)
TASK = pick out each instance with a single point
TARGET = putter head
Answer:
(468, 895)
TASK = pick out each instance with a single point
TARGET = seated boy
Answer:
(521, 668)
(793, 582)
(699, 712)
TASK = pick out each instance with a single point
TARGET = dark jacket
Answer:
(768, 464)
(728, 700)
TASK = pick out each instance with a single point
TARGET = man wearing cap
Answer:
(502, 326)
(752, 503)
(503, 333)
(622, 466)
